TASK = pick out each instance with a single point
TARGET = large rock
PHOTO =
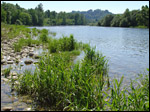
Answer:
(28, 62)
(12, 77)
(24, 54)
(18, 53)
(31, 53)
(36, 56)
(16, 83)
(13, 73)
(4, 79)
(3, 61)
(10, 62)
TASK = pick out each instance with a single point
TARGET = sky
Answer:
(116, 7)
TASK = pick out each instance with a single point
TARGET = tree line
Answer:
(14, 14)
(127, 19)
(93, 16)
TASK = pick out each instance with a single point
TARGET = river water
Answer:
(127, 49)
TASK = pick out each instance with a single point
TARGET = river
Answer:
(127, 49)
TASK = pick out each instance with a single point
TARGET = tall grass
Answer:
(62, 85)
(65, 86)
(34, 32)
(44, 35)
(6, 71)
(132, 99)
(65, 44)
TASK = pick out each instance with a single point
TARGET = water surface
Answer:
(127, 49)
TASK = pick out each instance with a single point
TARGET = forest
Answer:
(14, 14)
(134, 18)
(92, 16)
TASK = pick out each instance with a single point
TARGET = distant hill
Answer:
(93, 16)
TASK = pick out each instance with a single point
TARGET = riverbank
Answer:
(80, 86)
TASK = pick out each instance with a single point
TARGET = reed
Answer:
(63, 85)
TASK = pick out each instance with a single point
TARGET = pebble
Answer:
(28, 61)
(10, 62)
(31, 54)
(4, 79)
(36, 56)
(3, 61)
(13, 73)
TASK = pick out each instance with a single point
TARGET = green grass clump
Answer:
(24, 42)
(44, 36)
(6, 71)
(63, 85)
(35, 32)
(132, 99)
(63, 44)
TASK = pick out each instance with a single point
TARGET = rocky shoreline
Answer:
(10, 57)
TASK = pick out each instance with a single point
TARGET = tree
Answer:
(40, 14)
(53, 15)
(34, 16)
(143, 16)
(123, 22)
(8, 17)
(47, 14)
(25, 18)
(18, 22)
(106, 21)
(3, 15)
(133, 15)
(64, 20)
(116, 21)
(76, 18)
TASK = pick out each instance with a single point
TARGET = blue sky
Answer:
(115, 7)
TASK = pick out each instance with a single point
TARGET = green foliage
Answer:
(132, 99)
(9, 17)
(25, 18)
(18, 22)
(115, 21)
(12, 14)
(62, 86)
(133, 18)
(143, 16)
(24, 42)
(3, 15)
(34, 32)
(107, 20)
(6, 71)
(44, 35)
(93, 15)
(62, 44)
(12, 31)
